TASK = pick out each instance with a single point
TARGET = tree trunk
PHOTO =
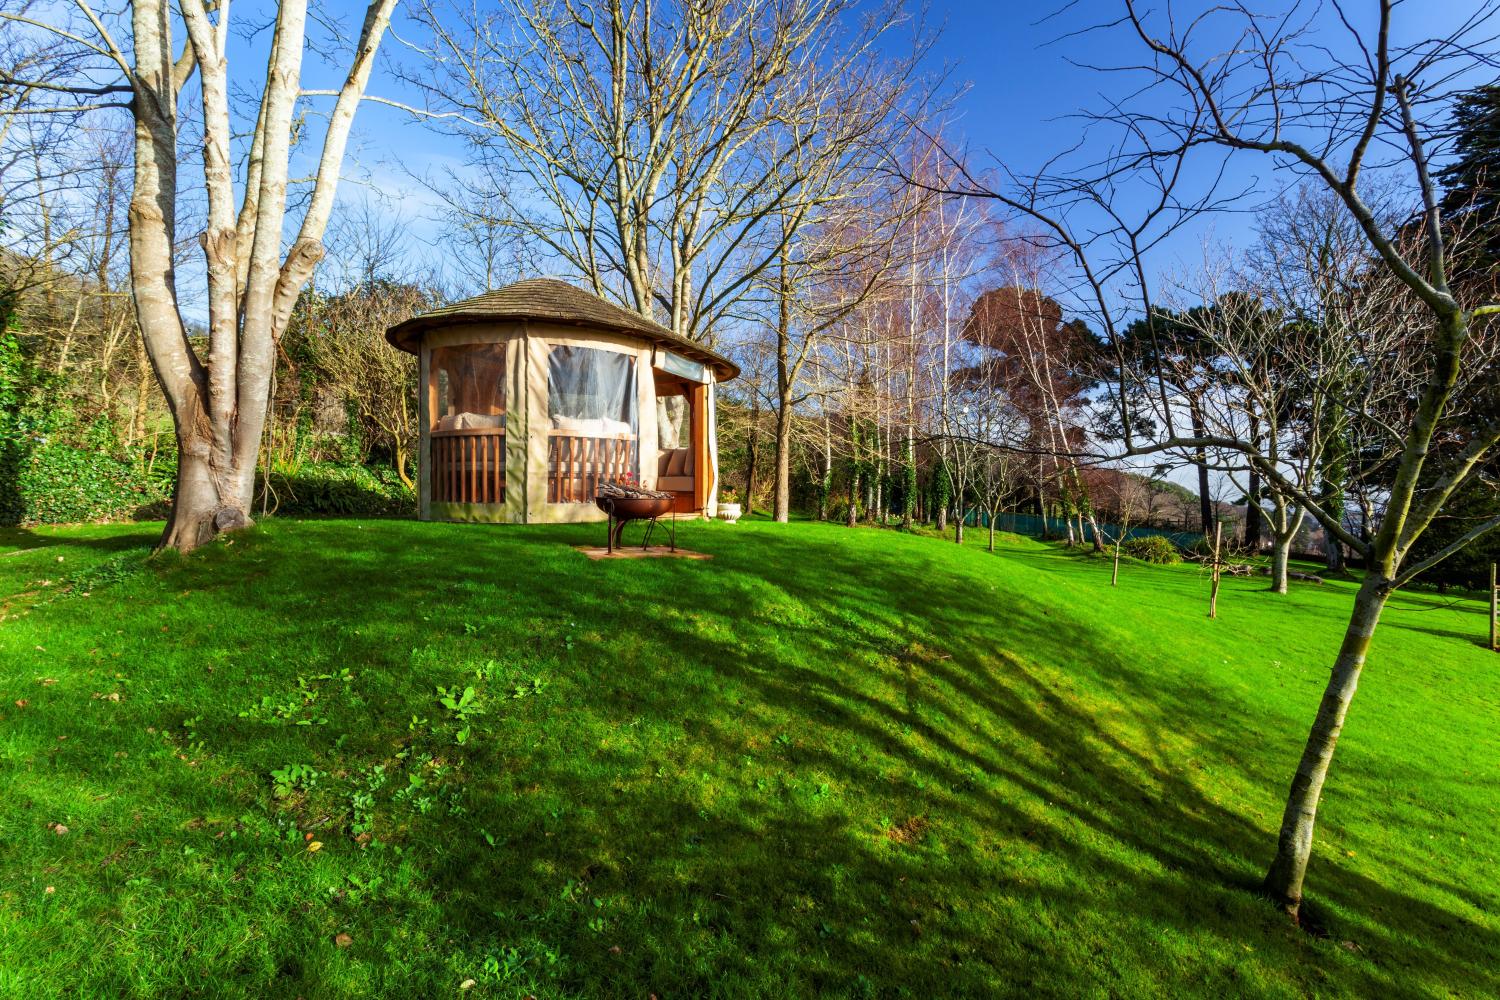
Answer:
(752, 453)
(1200, 459)
(1252, 514)
(958, 526)
(1252, 493)
(1281, 551)
(781, 497)
(782, 501)
(199, 512)
(1294, 844)
(400, 458)
(827, 469)
(853, 514)
(1333, 553)
(908, 480)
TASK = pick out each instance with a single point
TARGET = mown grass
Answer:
(828, 761)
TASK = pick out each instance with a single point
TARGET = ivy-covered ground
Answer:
(337, 758)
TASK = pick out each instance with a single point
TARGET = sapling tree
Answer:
(1130, 498)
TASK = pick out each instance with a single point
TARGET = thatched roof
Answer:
(556, 302)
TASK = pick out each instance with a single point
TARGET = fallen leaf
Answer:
(614, 949)
(315, 846)
(22, 703)
(343, 940)
(467, 984)
(49, 890)
(307, 836)
(47, 681)
(58, 829)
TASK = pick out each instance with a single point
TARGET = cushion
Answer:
(475, 421)
(677, 484)
(591, 428)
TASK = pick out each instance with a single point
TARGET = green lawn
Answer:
(828, 761)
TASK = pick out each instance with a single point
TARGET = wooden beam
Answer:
(698, 407)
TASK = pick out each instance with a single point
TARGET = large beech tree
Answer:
(217, 390)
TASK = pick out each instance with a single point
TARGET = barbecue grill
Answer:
(625, 503)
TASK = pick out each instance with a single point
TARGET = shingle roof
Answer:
(558, 302)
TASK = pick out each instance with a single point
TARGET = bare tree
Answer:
(1286, 378)
(1330, 139)
(345, 331)
(219, 398)
(655, 146)
(839, 264)
(1275, 90)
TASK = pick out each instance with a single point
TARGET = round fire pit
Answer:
(623, 508)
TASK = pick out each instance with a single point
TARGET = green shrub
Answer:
(61, 484)
(20, 387)
(1154, 549)
(330, 488)
(1202, 547)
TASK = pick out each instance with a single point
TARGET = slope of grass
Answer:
(827, 761)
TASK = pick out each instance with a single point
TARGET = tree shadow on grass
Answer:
(1143, 801)
(948, 812)
(1142, 805)
(14, 540)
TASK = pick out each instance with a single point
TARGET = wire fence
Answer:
(1055, 527)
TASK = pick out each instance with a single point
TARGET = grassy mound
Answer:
(848, 762)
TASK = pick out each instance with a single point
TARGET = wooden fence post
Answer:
(1213, 594)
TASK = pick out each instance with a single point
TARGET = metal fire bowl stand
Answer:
(623, 510)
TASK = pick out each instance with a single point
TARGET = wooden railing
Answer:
(577, 465)
(468, 466)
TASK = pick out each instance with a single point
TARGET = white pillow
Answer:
(591, 428)
(577, 425)
(475, 421)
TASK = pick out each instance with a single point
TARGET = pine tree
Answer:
(1471, 183)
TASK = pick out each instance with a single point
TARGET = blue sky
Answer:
(1022, 88)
